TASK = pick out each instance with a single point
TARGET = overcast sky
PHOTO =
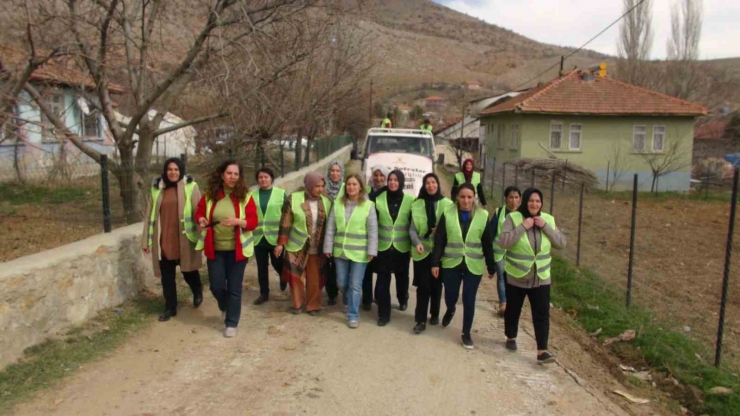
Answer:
(573, 22)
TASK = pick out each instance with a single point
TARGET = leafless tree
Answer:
(635, 43)
(127, 35)
(618, 156)
(683, 73)
(673, 159)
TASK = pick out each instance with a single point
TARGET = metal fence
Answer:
(51, 206)
(669, 253)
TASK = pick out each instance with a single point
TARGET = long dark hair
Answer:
(215, 183)
(523, 208)
(469, 186)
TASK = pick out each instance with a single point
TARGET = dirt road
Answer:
(283, 364)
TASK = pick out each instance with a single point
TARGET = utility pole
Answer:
(370, 113)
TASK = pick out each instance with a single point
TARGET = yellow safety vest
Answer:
(351, 236)
(498, 252)
(187, 213)
(394, 233)
(298, 231)
(474, 180)
(246, 239)
(269, 222)
(419, 216)
(521, 257)
(472, 248)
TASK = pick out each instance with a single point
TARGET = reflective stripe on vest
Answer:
(474, 179)
(188, 222)
(351, 237)
(419, 216)
(498, 252)
(394, 233)
(472, 248)
(246, 239)
(269, 222)
(521, 257)
(298, 231)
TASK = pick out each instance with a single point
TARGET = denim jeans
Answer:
(452, 279)
(501, 280)
(226, 276)
(349, 281)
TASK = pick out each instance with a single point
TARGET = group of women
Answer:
(335, 232)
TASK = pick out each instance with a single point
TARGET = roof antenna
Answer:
(562, 63)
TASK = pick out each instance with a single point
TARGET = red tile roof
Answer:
(434, 98)
(51, 72)
(570, 94)
(711, 130)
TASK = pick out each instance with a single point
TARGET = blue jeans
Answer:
(226, 276)
(501, 279)
(452, 279)
(349, 281)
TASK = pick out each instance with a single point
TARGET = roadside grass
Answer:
(16, 193)
(594, 303)
(46, 364)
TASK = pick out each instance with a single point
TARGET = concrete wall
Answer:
(600, 138)
(47, 293)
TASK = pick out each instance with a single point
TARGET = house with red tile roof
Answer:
(434, 101)
(586, 119)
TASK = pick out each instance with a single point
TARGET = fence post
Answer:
(503, 186)
(580, 224)
(262, 156)
(493, 177)
(632, 241)
(106, 192)
(282, 161)
(726, 276)
(608, 166)
(565, 172)
(552, 194)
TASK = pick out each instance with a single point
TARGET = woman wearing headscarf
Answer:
(171, 233)
(334, 189)
(513, 199)
(469, 175)
(528, 236)
(394, 214)
(464, 248)
(269, 201)
(227, 214)
(352, 240)
(301, 238)
(425, 212)
(379, 173)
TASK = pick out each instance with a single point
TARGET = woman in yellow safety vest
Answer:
(463, 246)
(170, 233)
(513, 197)
(468, 174)
(394, 244)
(380, 172)
(425, 212)
(352, 240)
(527, 236)
(269, 201)
(334, 189)
(301, 237)
(227, 215)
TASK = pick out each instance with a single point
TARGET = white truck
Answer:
(409, 150)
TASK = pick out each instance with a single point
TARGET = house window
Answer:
(638, 138)
(514, 136)
(91, 124)
(55, 102)
(556, 135)
(658, 138)
(574, 142)
(500, 135)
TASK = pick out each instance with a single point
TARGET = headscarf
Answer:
(523, 207)
(429, 201)
(332, 188)
(396, 195)
(310, 181)
(468, 175)
(382, 168)
(180, 166)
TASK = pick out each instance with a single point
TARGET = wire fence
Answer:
(57, 203)
(669, 253)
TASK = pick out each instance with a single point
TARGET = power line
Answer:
(584, 45)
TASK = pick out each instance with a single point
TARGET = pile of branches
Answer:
(546, 168)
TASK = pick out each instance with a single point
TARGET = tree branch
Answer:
(192, 122)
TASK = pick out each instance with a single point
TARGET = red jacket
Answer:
(250, 215)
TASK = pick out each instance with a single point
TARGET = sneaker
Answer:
(383, 321)
(467, 342)
(169, 313)
(434, 320)
(313, 313)
(511, 345)
(295, 311)
(229, 332)
(447, 318)
(260, 300)
(353, 324)
(420, 327)
(545, 358)
(402, 307)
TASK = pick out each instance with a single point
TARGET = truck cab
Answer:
(411, 151)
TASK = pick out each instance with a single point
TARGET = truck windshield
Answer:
(400, 144)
